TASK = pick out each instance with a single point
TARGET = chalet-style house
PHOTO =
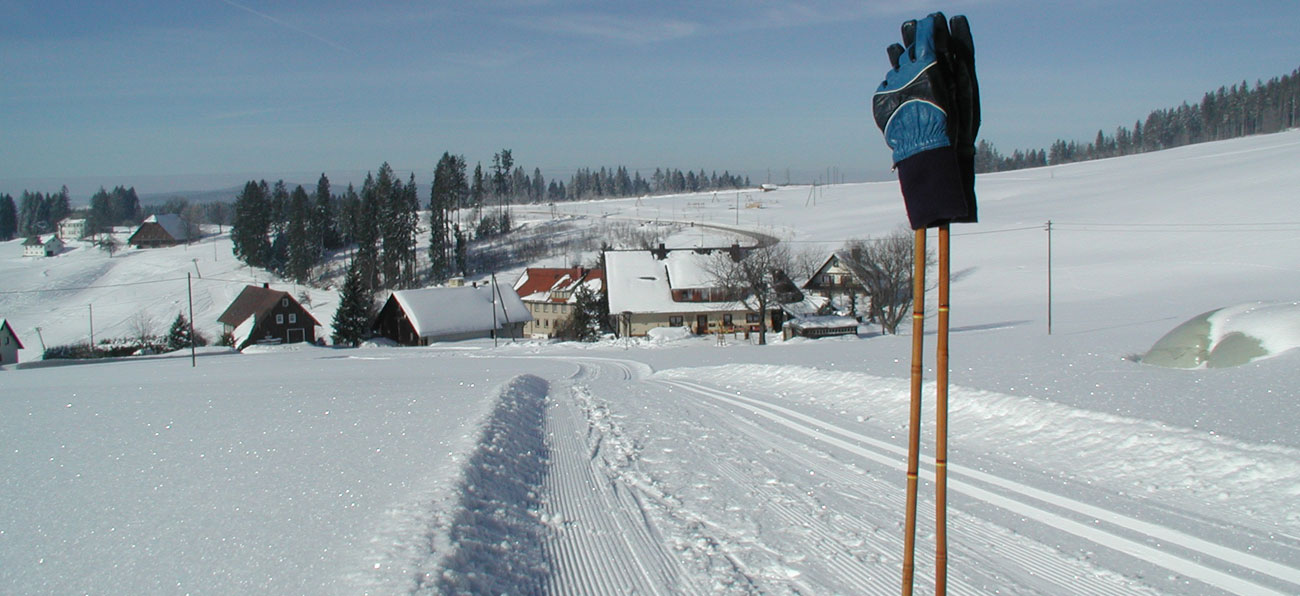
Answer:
(72, 228)
(840, 280)
(673, 288)
(421, 317)
(550, 295)
(35, 247)
(155, 231)
(9, 344)
(260, 315)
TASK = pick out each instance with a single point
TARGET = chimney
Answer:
(266, 286)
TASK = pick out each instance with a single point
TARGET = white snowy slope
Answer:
(679, 466)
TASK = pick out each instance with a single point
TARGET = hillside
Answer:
(693, 467)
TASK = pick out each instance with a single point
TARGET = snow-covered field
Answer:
(686, 466)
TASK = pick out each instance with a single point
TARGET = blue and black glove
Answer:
(928, 108)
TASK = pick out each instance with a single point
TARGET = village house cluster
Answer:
(645, 290)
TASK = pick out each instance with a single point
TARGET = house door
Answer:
(701, 324)
(297, 335)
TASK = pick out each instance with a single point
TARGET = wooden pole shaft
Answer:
(941, 425)
(914, 420)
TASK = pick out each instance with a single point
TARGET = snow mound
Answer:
(1229, 336)
(667, 334)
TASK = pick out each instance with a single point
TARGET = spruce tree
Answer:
(301, 247)
(367, 234)
(179, 335)
(462, 251)
(248, 232)
(449, 189)
(8, 218)
(388, 191)
(279, 208)
(352, 319)
(324, 230)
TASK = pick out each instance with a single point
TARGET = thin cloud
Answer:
(634, 30)
(289, 26)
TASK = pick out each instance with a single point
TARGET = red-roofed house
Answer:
(9, 344)
(550, 294)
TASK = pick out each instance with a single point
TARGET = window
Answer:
(279, 319)
(675, 321)
(284, 302)
(726, 320)
(293, 318)
(751, 317)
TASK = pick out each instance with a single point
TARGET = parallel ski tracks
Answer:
(600, 541)
(1190, 556)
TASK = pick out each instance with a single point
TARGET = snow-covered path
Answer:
(601, 541)
(756, 494)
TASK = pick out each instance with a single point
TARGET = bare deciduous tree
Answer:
(143, 328)
(885, 267)
(758, 281)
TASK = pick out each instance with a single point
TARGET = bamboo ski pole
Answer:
(914, 420)
(941, 425)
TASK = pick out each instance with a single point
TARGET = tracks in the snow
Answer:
(599, 539)
(1216, 565)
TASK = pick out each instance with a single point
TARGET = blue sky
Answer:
(207, 93)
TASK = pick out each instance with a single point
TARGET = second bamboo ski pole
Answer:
(914, 418)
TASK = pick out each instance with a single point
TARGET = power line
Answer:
(120, 285)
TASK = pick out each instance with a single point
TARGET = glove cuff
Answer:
(933, 188)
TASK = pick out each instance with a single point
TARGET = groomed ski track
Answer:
(627, 510)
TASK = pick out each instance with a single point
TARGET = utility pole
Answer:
(1049, 277)
(91, 308)
(493, 294)
(189, 289)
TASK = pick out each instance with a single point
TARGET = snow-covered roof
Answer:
(689, 269)
(172, 223)
(435, 312)
(638, 282)
(824, 322)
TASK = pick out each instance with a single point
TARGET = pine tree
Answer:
(248, 232)
(301, 247)
(462, 251)
(349, 216)
(449, 190)
(324, 230)
(584, 323)
(279, 208)
(8, 218)
(388, 191)
(367, 234)
(352, 319)
(179, 337)
(477, 190)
